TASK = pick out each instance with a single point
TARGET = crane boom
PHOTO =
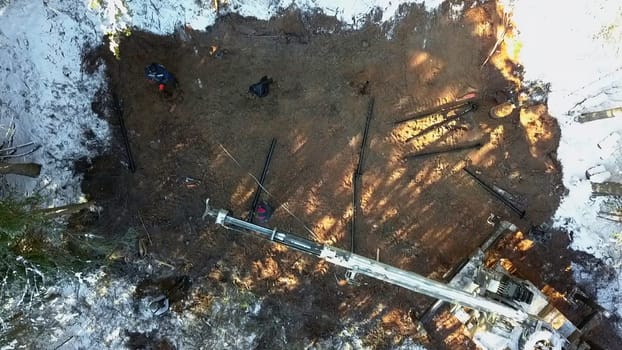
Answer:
(359, 264)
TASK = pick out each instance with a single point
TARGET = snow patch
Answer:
(576, 46)
(584, 71)
(46, 95)
(164, 17)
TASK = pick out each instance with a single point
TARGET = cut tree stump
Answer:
(24, 169)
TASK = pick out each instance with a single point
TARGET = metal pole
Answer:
(118, 108)
(445, 149)
(262, 178)
(355, 208)
(440, 109)
(356, 177)
(370, 111)
(520, 212)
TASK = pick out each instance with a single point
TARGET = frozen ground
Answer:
(46, 95)
(577, 47)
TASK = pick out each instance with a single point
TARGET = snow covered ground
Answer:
(576, 46)
(45, 93)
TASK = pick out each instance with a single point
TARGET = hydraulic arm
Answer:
(359, 264)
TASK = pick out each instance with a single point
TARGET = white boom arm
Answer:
(359, 264)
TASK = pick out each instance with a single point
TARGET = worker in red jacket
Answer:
(263, 212)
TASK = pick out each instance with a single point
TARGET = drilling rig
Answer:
(498, 310)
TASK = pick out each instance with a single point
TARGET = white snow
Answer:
(350, 12)
(576, 46)
(46, 94)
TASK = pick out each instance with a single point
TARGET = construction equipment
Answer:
(498, 310)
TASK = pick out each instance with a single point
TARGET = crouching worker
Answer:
(262, 88)
(158, 74)
(263, 212)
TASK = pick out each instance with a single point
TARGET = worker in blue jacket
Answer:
(158, 74)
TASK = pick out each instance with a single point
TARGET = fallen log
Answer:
(446, 107)
(607, 189)
(604, 114)
(24, 169)
(65, 209)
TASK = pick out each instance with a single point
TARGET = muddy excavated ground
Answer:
(424, 214)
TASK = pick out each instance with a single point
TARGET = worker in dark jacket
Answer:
(158, 74)
(262, 88)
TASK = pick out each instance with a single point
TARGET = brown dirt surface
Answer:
(423, 214)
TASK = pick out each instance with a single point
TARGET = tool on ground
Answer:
(497, 192)
(356, 177)
(189, 182)
(500, 311)
(445, 149)
(262, 179)
(118, 110)
(355, 208)
(502, 110)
